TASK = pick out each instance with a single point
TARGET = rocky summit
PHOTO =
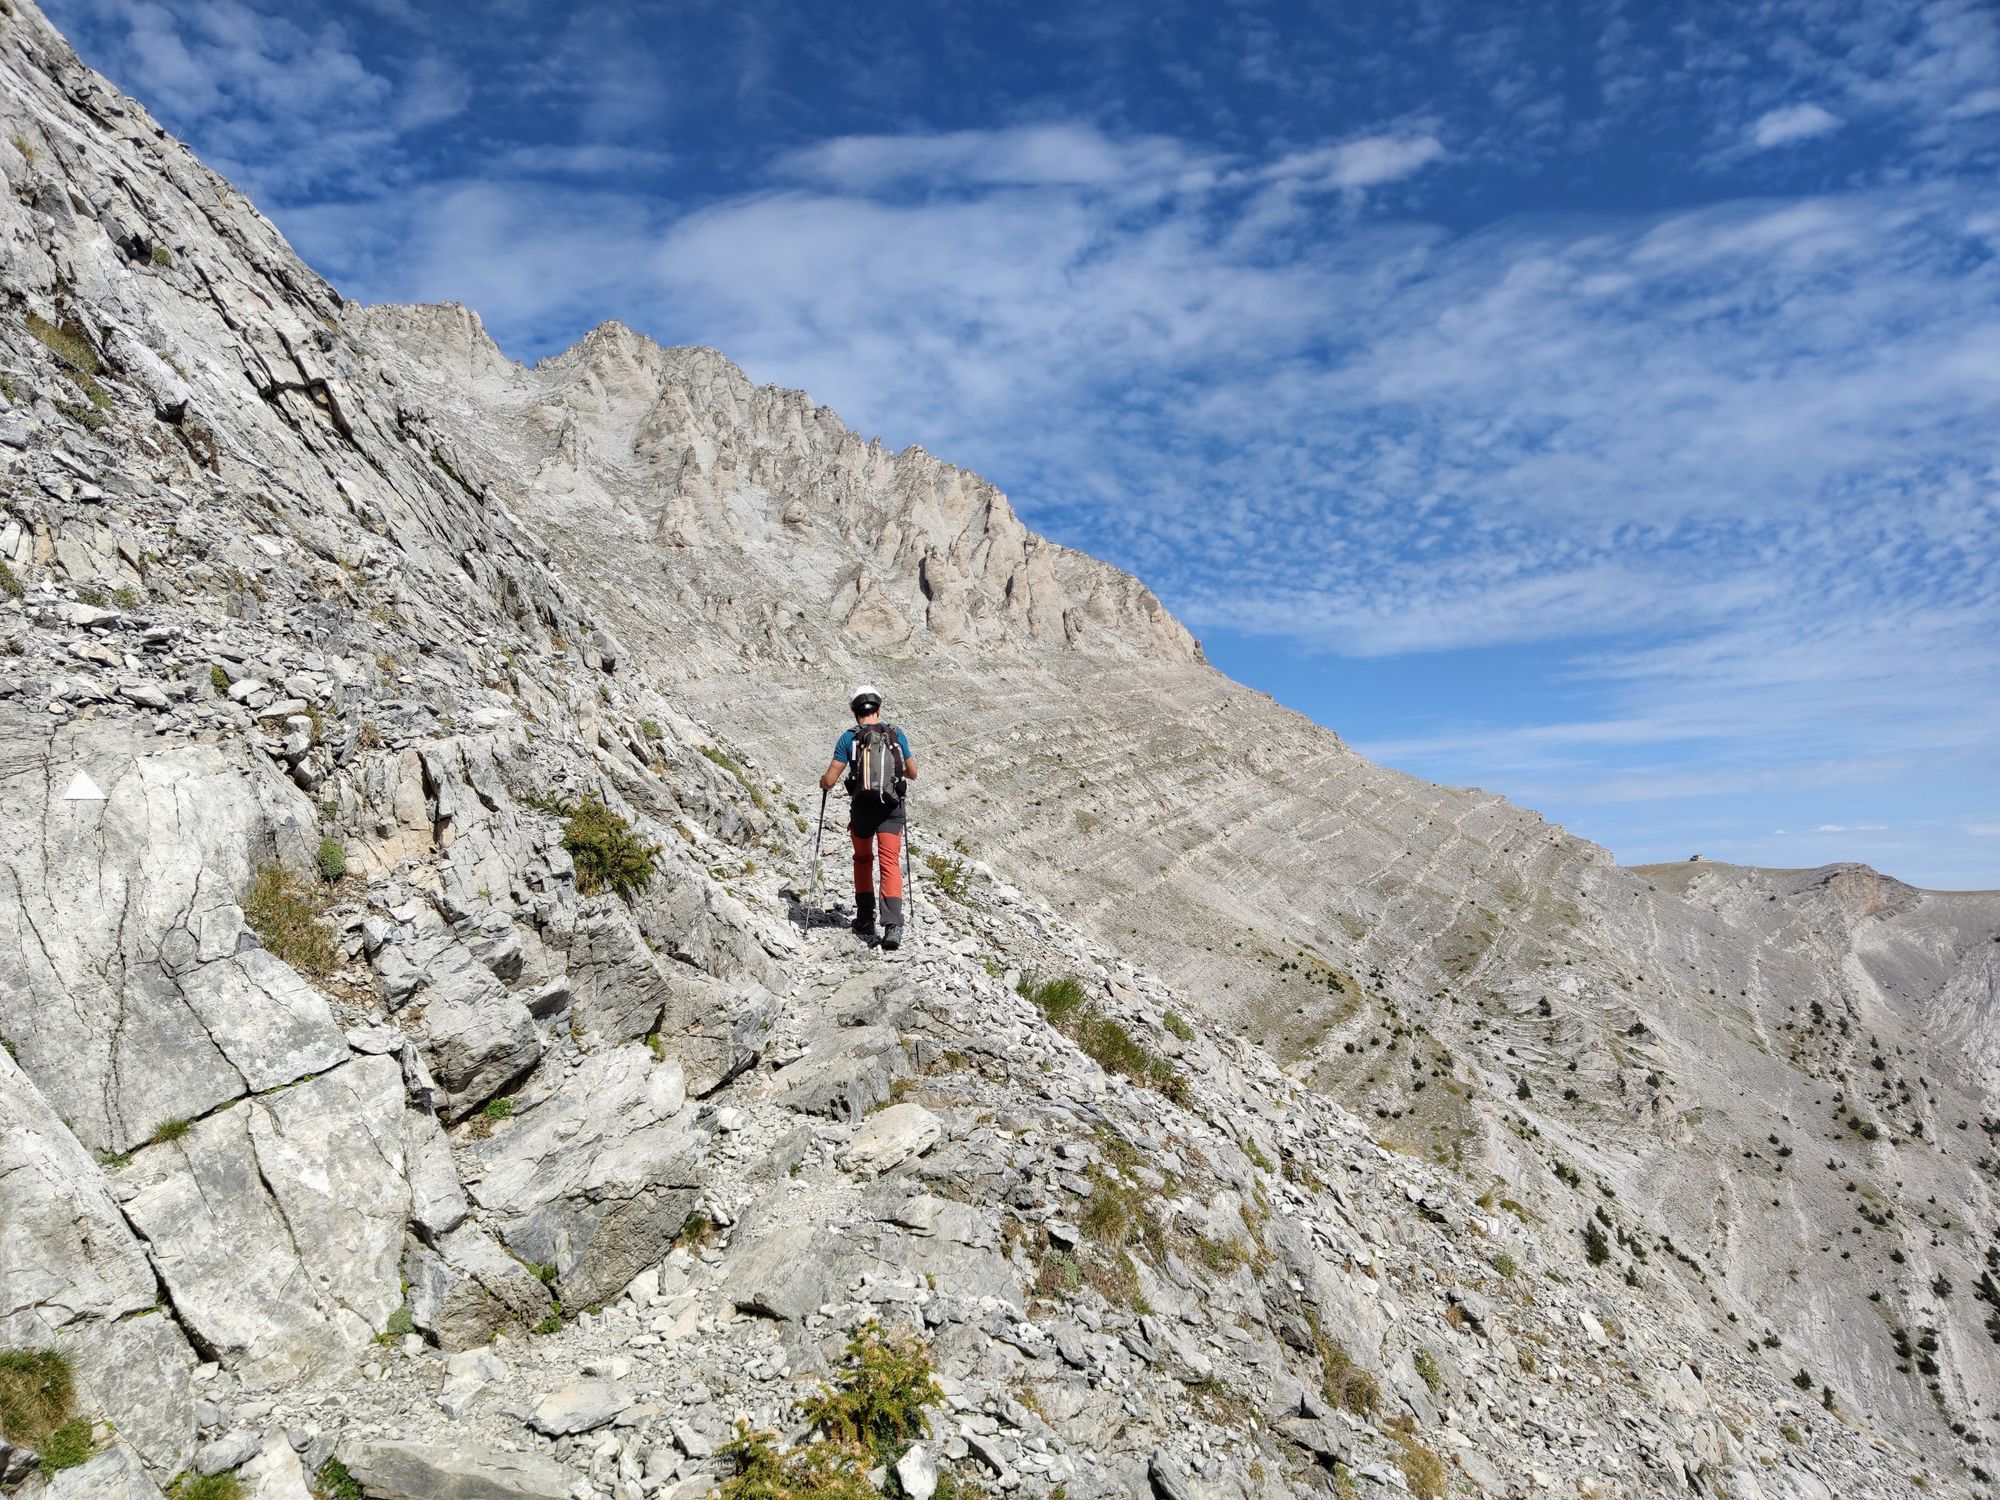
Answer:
(423, 1076)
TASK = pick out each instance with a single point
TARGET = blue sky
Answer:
(1595, 402)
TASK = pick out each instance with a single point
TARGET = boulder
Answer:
(917, 1472)
(468, 1289)
(463, 1471)
(476, 1038)
(437, 1199)
(890, 1138)
(598, 1178)
(114, 1474)
(277, 1226)
(786, 1273)
(617, 985)
(274, 1473)
(581, 1406)
(846, 1073)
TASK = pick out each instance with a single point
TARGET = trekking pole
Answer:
(909, 877)
(812, 882)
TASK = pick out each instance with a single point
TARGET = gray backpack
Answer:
(875, 773)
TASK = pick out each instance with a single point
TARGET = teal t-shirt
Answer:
(844, 751)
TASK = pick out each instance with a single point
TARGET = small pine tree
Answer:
(1595, 1245)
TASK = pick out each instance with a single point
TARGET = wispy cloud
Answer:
(1368, 162)
(1794, 122)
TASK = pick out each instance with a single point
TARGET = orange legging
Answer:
(892, 864)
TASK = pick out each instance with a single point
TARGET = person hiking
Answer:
(874, 759)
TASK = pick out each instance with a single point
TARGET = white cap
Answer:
(864, 691)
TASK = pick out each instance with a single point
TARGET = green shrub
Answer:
(498, 1109)
(948, 874)
(885, 1383)
(332, 860)
(69, 1445)
(553, 1323)
(1177, 1026)
(818, 1471)
(213, 1487)
(162, 256)
(171, 1130)
(218, 679)
(333, 1482)
(869, 1417)
(401, 1321)
(650, 728)
(37, 1394)
(1595, 1245)
(609, 855)
(1504, 1263)
(9, 584)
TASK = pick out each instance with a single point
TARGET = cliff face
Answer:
(793, 540)
(401, 950)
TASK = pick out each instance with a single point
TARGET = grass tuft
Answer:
(284, 912)
(37, 1394)
(209, 1487)
(69, 1445)
(1102, 1038)
(333, 1482)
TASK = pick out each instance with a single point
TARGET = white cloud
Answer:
(1983, 830)
(1368, 162)
(1058, 155)
(1794, 122)
(584, 160)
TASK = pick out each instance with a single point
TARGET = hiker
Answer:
(874, 759)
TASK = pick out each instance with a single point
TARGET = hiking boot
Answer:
(892, 939)
(863, 924)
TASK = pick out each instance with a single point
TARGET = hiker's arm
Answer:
(909, 770)
(835, 769)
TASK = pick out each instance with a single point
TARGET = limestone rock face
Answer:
(129, 979)
(306, 1189)
(469, 1289)
(597, 1179)
(115, 1474)
(73, 1275)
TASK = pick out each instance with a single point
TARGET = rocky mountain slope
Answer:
(1739, 1060)
(419, 1079)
